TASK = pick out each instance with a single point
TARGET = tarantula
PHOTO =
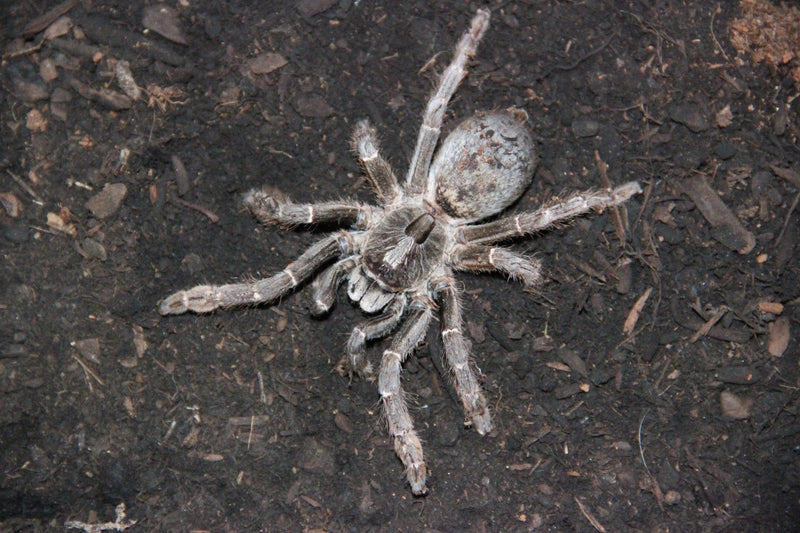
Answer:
(399, 257)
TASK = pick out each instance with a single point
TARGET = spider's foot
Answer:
(265, 203)
(198, 299)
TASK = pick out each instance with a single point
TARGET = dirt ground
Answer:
(685, 419)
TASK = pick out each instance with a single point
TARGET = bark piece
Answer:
(726, 228)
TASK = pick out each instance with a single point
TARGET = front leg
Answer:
(548, 215)
(437, 105)
(273, 207)
(205, 298)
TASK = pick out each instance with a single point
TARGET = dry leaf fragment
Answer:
(735, 407)
(778, 336)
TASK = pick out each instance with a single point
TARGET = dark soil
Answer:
(234, 421)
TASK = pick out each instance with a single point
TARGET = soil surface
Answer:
(650, 384)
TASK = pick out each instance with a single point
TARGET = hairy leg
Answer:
(437, 105)
(474, 402)
(273, 207)
(324, 286)
(373, 328)
(378, 170)
(547, 215)
(478, 258)
(205, 298)
(406, 442)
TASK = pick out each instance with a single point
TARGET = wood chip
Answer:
(43, 21)
(57, 29)
(122, 70)
(11, 204)
(164, 20)
(774, 308)
(734, 406)
(313, 106)
(727, 228)
(265, 63)
(59, 222)
(778, 337)
(106, 202)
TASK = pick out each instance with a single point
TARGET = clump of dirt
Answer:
(769, 33)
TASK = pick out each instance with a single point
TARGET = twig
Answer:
(713, 36)
(703, 331)
(578, 61)
(88, 371)
(207, 212)
(590, 517)
(602, 167)
(25, 187)
(786, 221)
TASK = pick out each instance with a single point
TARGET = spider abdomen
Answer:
(484, 165)
(403, 250)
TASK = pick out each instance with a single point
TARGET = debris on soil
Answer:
(633, 314)
(313, 106)
(61, 222)
(615, 93)
(265, 63)
(778, 336)
(163, 20)
(769, 33)
(106, 202)
(733, 406)
(726, 228)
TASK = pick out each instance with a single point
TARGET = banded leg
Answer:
(273, 207)
(474, 402)
(437, 105)
(406, 442)
(490, 258)
(324, 286)
(205, 298)
(377, 169)
(548, 215)
(373, 328)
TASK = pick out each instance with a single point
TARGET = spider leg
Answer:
(478, 258)
(378, 170)
(406, 442)
(323, 288)
(547, 215)
(474, 402)
(372, 328)
(437, 105)
(205, 298)
(273, 207)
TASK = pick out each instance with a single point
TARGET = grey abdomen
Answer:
(484, 165)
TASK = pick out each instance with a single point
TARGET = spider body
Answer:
(399, 258)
